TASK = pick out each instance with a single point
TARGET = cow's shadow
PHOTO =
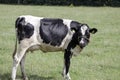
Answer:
(7, 76)
(36, 77)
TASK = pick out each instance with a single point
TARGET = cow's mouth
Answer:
(82, 45)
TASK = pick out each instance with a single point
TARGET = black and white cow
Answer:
(49, 35)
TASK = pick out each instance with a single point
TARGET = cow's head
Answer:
(84, 34)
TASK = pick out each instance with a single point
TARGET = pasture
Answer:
(100, 60)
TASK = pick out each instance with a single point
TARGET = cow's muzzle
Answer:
(83, 41)
(82, 45)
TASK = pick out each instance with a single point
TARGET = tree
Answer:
(18, 1)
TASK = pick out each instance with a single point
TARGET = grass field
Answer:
(100, 60)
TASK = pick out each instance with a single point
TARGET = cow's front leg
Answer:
(67, 56)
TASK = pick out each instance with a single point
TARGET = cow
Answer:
(49, 35)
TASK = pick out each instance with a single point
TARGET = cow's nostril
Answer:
(82, 45)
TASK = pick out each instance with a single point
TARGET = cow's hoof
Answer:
(25, 78)
(66, 77)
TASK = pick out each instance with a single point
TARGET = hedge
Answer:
(114, 3)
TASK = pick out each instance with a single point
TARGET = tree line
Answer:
(114, 3)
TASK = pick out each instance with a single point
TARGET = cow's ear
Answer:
(93, 30)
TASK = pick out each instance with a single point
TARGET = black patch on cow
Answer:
(67, 56)
(23, 30)
(74, 25)
(73, 42)
(52, 31)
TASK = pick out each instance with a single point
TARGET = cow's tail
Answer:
(15, 49)
(16, 36)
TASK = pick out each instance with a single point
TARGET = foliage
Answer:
(66, 2)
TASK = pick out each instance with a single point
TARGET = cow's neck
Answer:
(73, 46)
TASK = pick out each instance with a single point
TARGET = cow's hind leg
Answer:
(22, 66)
(17, 58)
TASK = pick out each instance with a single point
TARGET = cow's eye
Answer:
(88, 35)
(79, 38)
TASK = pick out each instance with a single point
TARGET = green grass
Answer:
(100, 60)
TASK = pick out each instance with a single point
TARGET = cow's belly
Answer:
(45, 48)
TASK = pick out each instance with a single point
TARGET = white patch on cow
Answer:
(66, 77)
(76, 50)
(69, 35)
(67, 22)
(66, 40)
(83, 29)
(82, 41)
